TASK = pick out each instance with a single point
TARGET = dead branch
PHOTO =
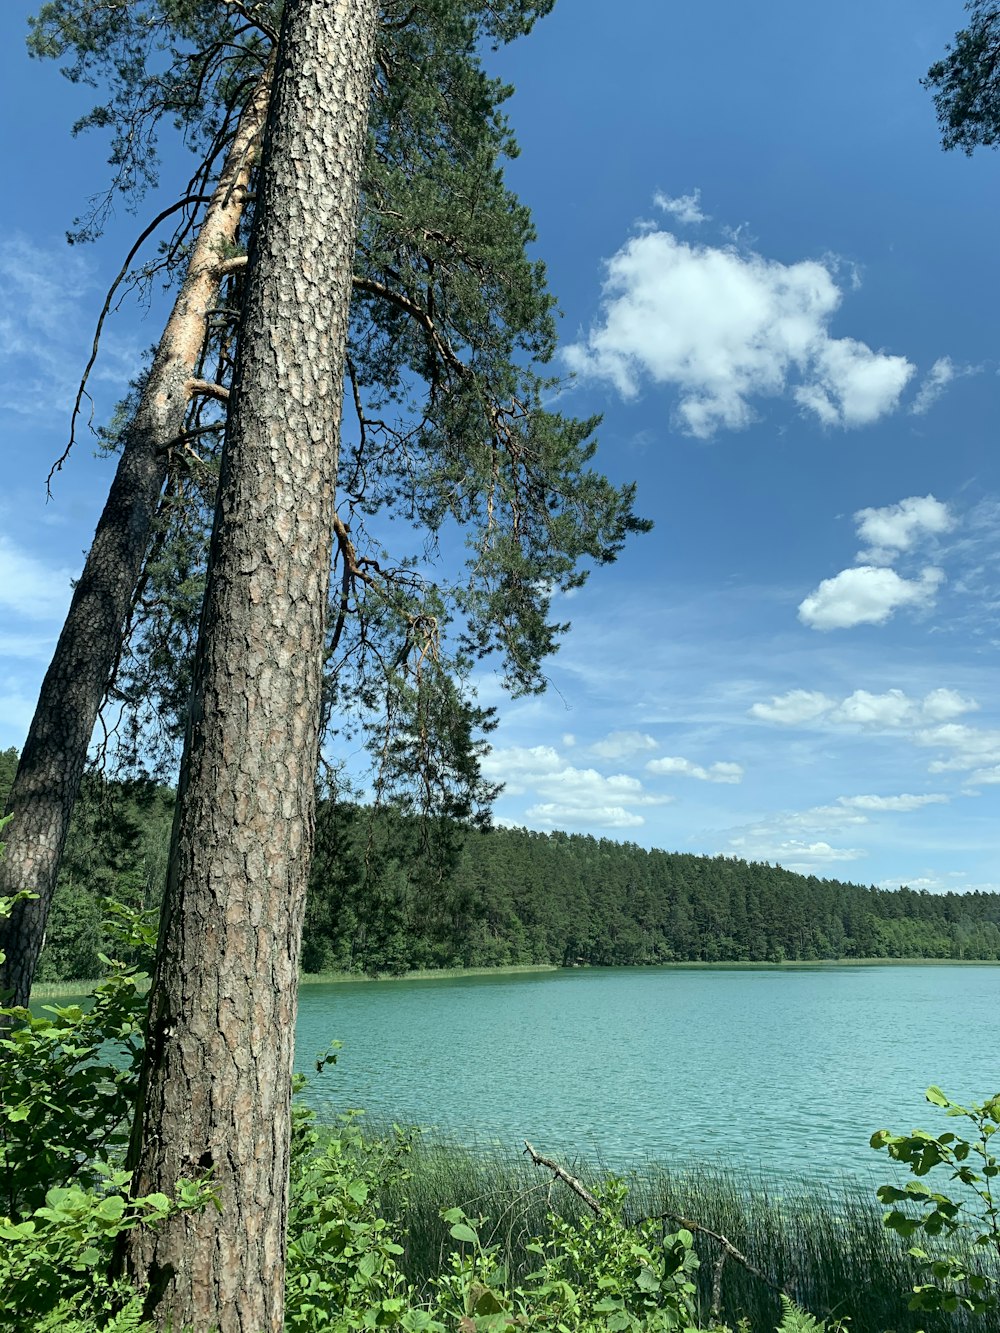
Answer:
(81, 392)
(562, 1174)
(232, 265)
(727, 1250)
(208, 389)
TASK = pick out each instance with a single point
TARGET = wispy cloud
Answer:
(29, 587)
(686, 208)
(671, 765)
(937, 379)
(726, 327)
(619, 745)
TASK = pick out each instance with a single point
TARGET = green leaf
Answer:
(461, 1231)
(936, 1097)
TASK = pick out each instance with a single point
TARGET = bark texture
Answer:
(216, 1092)
(55, 752)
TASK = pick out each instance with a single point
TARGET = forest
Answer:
(388, 894)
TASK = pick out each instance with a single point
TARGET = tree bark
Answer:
(55, 752)
(216, 1086)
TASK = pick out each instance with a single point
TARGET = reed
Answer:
(825, 1245)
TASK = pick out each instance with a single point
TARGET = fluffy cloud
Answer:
(863, 709)
(897, 527)
(892, 709)
(574, 796)
(686, 208)
(871, 592)
(792, 853)
(943, 705)
(724, 328)
(720, 772)
(622, 745)
(867, 595)
(793, 708)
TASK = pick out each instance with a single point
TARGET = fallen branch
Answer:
(727, 1249)
(562, 1174)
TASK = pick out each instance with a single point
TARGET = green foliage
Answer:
(342, 1271)
(962, 1234)
(68, 1082)
(67, 1088)
(966, 82)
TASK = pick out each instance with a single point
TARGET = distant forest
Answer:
(391, 893)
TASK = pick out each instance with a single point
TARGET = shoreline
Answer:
(73, 989)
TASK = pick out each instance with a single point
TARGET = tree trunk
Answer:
(216, 1087)
(52, 762)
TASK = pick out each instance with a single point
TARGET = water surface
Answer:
(782, 1069)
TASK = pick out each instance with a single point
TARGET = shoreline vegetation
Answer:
(824, 1244)
(77, 987)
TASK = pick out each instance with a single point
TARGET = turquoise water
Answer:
(787, 1070)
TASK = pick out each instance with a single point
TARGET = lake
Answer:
(789, 1070)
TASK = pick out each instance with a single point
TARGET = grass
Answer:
(826, 1246)
(46, 990)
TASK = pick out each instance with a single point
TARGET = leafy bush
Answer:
(342, 1269)
(963, 1273)
(67, 1088)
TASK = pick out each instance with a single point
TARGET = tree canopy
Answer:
(966, 82)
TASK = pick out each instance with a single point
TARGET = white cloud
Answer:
(867, 595)
(853, 386)
(622, 745)
(903, 803)
(891, 709)
(579, 796)
(897, 527)
(686, 208)
(553, 815)
(719, 772)
(969, 748)
(725, 327)
(793, 853)
(793, 708)
(29, 587)
(943, 705)
(937, 379)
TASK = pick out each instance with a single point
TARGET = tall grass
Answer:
(826, 1246)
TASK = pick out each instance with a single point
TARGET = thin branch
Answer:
(729, 1250)
(444, 349)
(81, 392)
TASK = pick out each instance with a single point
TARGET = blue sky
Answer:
(783, 297)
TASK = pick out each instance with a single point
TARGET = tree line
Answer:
(388, 895)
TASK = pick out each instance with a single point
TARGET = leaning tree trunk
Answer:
(52, 762)
(217, 1081)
